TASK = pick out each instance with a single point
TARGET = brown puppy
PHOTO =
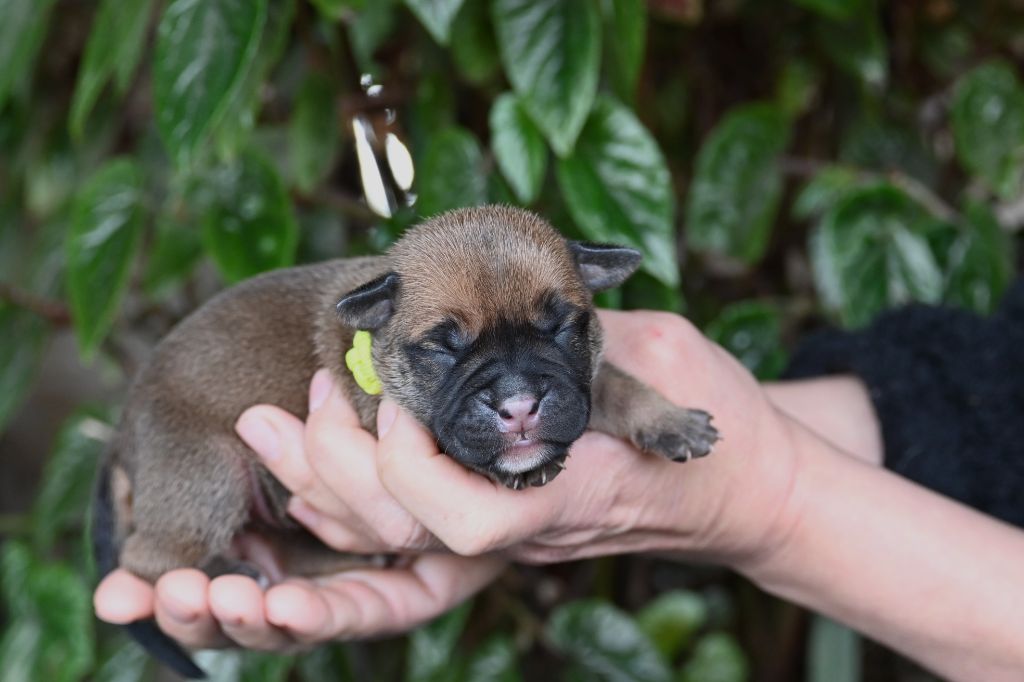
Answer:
(483, 328)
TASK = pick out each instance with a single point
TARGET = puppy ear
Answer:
(371, 305)
(603, 266)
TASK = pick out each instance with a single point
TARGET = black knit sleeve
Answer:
(948, 388)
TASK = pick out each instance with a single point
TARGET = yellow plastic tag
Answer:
(360, 363)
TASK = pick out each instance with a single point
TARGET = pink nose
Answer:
(519, 414)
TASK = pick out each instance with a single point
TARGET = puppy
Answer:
(482, 326)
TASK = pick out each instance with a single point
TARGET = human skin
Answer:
(793, 498)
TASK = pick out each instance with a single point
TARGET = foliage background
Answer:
(783, 164)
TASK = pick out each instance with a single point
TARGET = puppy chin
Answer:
(521, 457)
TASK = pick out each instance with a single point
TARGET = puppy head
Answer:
(485, 331)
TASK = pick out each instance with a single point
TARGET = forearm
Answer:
(929, 577)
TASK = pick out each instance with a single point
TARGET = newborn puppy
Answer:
(482, 326)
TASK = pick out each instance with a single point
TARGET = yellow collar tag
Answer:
(360, 363)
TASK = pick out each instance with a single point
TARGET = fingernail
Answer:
(319, 389)
(386, 413)
(302, 512)
(260, 436)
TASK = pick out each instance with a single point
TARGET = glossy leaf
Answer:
(551, 50)
(249, 226)
(858, 47)
(672, 620)
(313, 133)
(129, 663)
(432, 647)
(451, 173)
(606, 642)
(625, 24)
(716, 658)
(833, 652)
(494, 661)
(436, 16)
(988, 126)
(473, 46)
(735, 191)
(518, 147)
(21, 345)
(173, 254)
(115, 44)
(617, 187)
(22, 27)
(752, 332)
(204, 50)
(826, 188)
(981, 262)
(101, 247)
(326, 662)
(869, 253)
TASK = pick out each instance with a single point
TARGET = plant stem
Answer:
(54, 312)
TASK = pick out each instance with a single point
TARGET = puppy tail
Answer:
(105, 550)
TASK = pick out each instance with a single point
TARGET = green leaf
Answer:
(988, 126)
(432, 647)
(833, 652)
(204, 50)
(16, 567)
(751, 331)
(826, 188)
(115, 45)
(625, 24)
(883, 146)
(436, 16)
(551, 50)
(518, 148)
(835, 9)
(494, 661)
(370, 29)
(797, 87)
(63, 500)
(716, 658)
(128, 663)
(981, 262)
(451, 173)
(264, 667)
(606, 642)
(644, 292)
(326, 662)
(618, 189)
(313, 132)
(249, 226)
(336, 10)
(473, 45)
(22, 28)
(21, 345)
(672, 620)
(107, 223)
(858, 47)
(869, 253)
(737, 185)
(173, 255)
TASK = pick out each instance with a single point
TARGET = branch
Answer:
(54, 312)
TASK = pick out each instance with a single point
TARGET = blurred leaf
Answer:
(833, 652)
(68, 477)
(835, 9)
(336, 10)
(946, 49)
(869, 253)
(886, 147)
(220, 665)
(618, 189)
(19, 648)
(115, 45)
(672, 620)
(265, 667)
(326, 662)
(129, 663)
(518, 147)
(101, 247)
(436, 16)
(249, 226)
(372, 26)
(606, 642)
(173, 255)
(981, 262)
(797, 87)
(642, 291)
(737, 185)
(16, 567)
(432, 647)
(21, 345)
(988, 125)
(751, 331)
(473, 45)
(203, 51)
(494, 661)
(551, 50)
(827, 187)
(625, 24)
(451, 173)
(313, 132)
(858, 47)
(22, 28)
(716, 658)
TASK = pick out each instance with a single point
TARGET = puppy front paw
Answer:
(678, 434)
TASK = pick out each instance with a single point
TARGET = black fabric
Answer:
(948, 388)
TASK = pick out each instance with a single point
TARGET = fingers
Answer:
(182, 610)
(123, 598)
(237, 603)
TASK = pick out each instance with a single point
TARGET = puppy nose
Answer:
(519, 413)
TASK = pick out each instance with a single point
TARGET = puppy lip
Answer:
(522, 456)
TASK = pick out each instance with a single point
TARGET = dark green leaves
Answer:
(21, 345)
(451, 173)
(432, 647)
(313, 139)
(436, 16)
(101, 247)
(870, 253)
(204, 50)
(752, 332)
(672, 620)
(606, 643)
(115, 44)
(625, 37)
(249, 226)
(22, 26)
(834, 9)
(552, 50)
(518, 148)
(617, 187)
(988, 125)
(716, 658)
(980, 262)
(735, 193)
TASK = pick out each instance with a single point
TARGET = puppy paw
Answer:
(678, 434)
